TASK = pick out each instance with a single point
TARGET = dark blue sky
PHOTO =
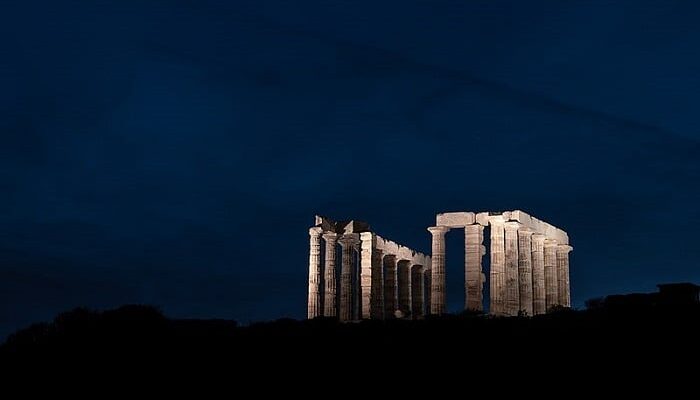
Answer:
(175, 152)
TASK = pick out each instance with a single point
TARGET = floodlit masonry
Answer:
(529, 271)
(379, 279)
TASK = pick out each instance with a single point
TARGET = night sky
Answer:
(175, 152)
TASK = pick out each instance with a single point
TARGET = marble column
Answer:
(347, 243)
(525, 270)
(512, 301)
(356, 288)
(404, 287)
(377, 302)
(427, 294)
(391, 302)
(498, 263)
(418, 286)
(473, 252)
(550, 273)
(371, 284)
(437, 290)
(314, 301)
(539, 305)
(329, 300)
(563, 274)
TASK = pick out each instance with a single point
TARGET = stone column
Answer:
(418, 285)
(437, 289)
(563, 274)
(525, 270)
(512, 286)
(404, 287)
(347, 242)
(473, 253)
(498, 263)
(550, 273)
(370, 272)
(539, 305)
(377, 302)
(356, 282)
(314, 301)
(391, 301)
(427, 294)
(329, 300)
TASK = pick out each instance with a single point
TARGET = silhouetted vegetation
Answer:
(143, 333)
(634, 336)
(126, 330)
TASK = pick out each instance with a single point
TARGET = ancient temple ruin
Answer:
(529, 264)
(378, 278)
(529, 268)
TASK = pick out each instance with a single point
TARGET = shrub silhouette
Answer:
(473, 340)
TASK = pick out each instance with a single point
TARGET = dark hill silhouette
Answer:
(612, 344)
(604, 336)
(579, 352)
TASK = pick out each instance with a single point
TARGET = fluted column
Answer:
(539, 305)
(498, 262)
(314, 301)
(473, 254)
(437, 290)
(329, 300)
(512, 285)
(391, 301)
(550, 273)
(525, 270)
(418, 285)
(563, 274)
(377, 302)
(427, 294)
(356, 283)
(370, 271)
(404, 287)
(347, 242)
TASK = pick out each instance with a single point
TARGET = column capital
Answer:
(315, 231)
(438, 230)
(348, 240)
(390, 257)
(330, 236)
(496, 219)
(473, 227)
(366, 235)
(564, 248)
(538, 237)
(513, 225)
(482, 219)
(525, 230)
(550, 243)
